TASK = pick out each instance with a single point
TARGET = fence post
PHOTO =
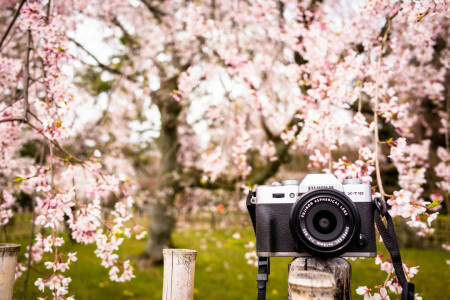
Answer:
(339, 268)
(8, 262)
(306, 285)
(179, 271)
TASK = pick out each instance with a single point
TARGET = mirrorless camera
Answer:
(318, 217)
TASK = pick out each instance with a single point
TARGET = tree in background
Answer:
(223, 91)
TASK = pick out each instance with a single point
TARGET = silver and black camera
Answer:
(318, 217)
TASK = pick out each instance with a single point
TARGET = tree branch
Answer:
(272, 167)
(30, 246)
(259, 176)
(127, 36)
(156, 12)
(270, 135)
(55, 143)
(27, 76)
(282, 150)
(102, 65)
(194, 176)
(12, 23)
(375, 112)
(135, 45)
(20, 120)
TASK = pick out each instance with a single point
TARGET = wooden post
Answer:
(179, 270)
(339, 268)
(8, 262)
(309, 285)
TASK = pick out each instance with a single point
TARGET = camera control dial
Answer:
(353, 181)
(290, 182)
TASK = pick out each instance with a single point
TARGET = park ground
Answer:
(222, 271)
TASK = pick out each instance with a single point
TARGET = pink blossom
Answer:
(410, 271)
(363, 290)
(71, 257)
(40, 284)
(50, 265)
(236, 236)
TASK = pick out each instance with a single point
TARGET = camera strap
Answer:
(390, 241)
(263, 276)
(251, 207)
(263, 262)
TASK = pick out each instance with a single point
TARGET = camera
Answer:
(319, 217)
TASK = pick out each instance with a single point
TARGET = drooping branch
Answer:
(99, 63)
(53, 142)
(135, 45)
(375, 111)
(156, 12)
(116, 71)
(272, 167)
(20, 120)
(193, 179)
(275, 138)
(17, 13)
(194, 176)
(126, 35)
(30, 248)
(27, 75)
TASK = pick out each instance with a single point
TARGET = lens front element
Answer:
(324, 222)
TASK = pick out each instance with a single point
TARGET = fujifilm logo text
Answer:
(319, 187)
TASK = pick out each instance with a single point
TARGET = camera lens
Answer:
(324, 223)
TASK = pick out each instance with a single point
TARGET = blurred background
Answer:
(196, 102)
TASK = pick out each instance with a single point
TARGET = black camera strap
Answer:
(263, 262)
(390, 241)
(251, 207)
(263, 276)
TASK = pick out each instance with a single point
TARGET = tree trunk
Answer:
(161, 215)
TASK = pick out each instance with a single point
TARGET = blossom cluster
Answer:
(86, 225)
(250, 255)
(411, 163)
(239, 150)
(443, 169)
(380, 292)
(361, 168)
(212, 163)
(54, 110)
(45, 103)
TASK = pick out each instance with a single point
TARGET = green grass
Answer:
(223, 273)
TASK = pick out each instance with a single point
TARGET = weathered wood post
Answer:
(302, 271)
(308, 285)
(8, 262)
(179, 271)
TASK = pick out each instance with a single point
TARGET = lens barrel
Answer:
(324, 223)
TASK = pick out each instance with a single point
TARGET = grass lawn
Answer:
(223, 273)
